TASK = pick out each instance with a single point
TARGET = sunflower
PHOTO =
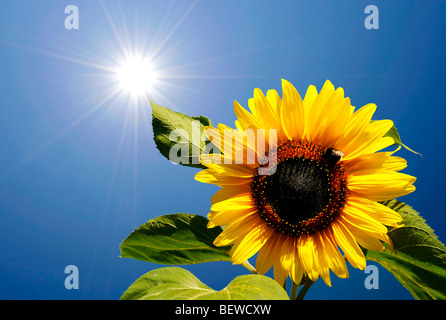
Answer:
(316, 202)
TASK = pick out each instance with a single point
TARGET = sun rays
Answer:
(136, 76)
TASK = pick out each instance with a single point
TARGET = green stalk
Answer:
(307, 285)
(249, 266)
(293, 293)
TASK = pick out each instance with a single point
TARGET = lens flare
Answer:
(136, 76)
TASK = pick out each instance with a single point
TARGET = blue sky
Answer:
(78, 166)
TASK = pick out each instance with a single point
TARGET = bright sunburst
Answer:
(137, 76)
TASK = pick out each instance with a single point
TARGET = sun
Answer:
(136, 76)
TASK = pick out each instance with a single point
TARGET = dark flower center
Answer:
(306, 192)
(299, 190)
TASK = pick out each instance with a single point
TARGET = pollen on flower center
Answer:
(305, 193)
(299, 189)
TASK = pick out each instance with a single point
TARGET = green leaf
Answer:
(393, 133)
(419, 258)
(174, 283)
(175, 239)
(179, 137)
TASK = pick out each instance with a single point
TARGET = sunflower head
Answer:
(301, 180)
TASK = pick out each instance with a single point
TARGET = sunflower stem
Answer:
(293, 293)
(249, 266)
(306, 286)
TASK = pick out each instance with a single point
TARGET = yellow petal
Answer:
(274, 100)
(245, 247)
(368, 240)
(292, 112)
(265, 113)
(246, 119)
(358, 218)
(264, 260)
(226, 217)
(335, 259)
(306, 250)
(272, 115)
(332, 125)
(358, 123)
(348, 244)
(310, 97)
(378, 211)
(235, 230)
(238, 125)
(287, 253)
(381, 160)
(280, 273)
(229, 192)
(220, 179)
(317, 110)
(322, 258)
(380, 185)
(297, 271)
(370, 140)
(238, 202)
(234, 170)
